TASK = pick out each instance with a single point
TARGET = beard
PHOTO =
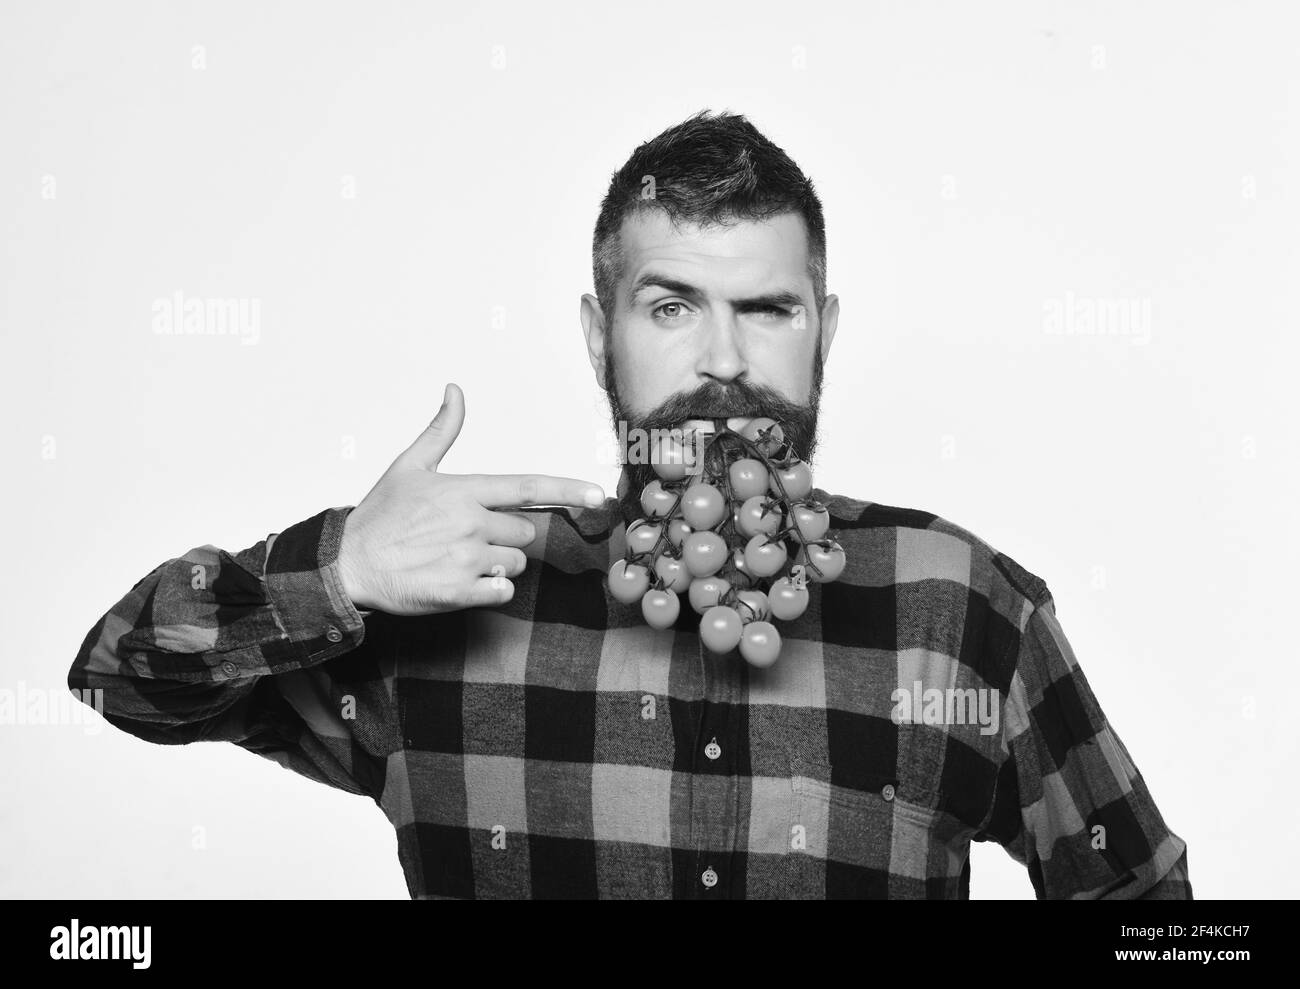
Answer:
(711, 401)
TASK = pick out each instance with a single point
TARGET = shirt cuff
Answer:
(305, 591)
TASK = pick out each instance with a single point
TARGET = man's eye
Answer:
(671, 310)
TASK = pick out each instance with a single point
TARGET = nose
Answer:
(721, 355)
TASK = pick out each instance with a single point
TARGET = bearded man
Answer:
(450, 646)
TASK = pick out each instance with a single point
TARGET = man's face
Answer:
(713, 322)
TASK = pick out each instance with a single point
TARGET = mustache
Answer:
(711, 401)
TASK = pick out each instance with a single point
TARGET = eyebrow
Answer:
(782, 298)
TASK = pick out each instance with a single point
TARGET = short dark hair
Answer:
(709, 169)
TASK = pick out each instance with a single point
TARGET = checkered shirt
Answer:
(558, 747)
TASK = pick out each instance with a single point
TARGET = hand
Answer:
(422, 542)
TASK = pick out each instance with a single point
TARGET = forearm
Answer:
(188, 643)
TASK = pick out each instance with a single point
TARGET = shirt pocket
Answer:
(882, 826)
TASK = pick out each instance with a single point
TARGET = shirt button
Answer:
(229, 668)
(709, 878)
(888, 791)
(713, 749)
(334, 635)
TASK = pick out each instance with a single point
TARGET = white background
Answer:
(976, 162)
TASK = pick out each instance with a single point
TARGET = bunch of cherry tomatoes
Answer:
(741, 537)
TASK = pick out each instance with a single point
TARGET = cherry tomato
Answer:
(704, 553)
(748, 478)
(764, 558)
(797, 480)
(737, 570)
(760, 644)
(766, 433)
(668, 457)
(720, 629)
(786, 600)
(703, 506)
(673, 573)
(678, 530)
(628, 581)
(660, 608)
(706, 592)
(830, 560)
(812, 521)
(753, 606)
(757, 516)
(642, 536)
(656, 502)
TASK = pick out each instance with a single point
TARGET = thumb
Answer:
(432, 445)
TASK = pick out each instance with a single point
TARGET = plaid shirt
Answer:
(559, 747)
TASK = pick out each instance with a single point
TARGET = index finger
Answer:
(520, 490)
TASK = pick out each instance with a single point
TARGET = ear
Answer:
(593, 328)
(830, 320)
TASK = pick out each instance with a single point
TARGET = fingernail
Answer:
(594, 497)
